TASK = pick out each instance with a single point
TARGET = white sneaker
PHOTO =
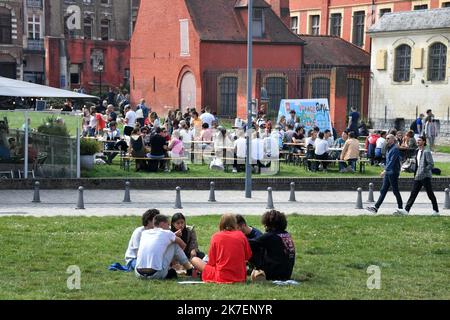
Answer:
(234, 171)
(401, 212)
(435, 213)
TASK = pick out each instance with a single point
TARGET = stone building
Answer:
(11, 35)
(411, 68)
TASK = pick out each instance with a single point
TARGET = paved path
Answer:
(109, 203)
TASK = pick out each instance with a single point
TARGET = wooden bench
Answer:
(362, 162)
(128, 159)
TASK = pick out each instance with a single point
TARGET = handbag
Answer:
(216, 164)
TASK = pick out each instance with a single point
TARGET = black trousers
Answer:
(418, 184)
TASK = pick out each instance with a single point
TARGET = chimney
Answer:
(281, 8)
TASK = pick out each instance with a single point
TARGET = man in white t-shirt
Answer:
(240, 149)
(207, 117)
(133, 244)
(158, 248)
(130, 120)
(321, 149)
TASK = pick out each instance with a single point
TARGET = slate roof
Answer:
(219, 20)
(335, 51)
(412, 20)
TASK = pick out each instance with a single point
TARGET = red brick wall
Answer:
(116, 60)
(52, 61)
(156, 64)
(324, 5)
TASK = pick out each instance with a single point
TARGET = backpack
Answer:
(413, 126)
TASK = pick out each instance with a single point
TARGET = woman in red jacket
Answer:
(228, 253)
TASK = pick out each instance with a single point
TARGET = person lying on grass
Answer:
(158, 248)
(274, 251)
(133, 244)
(228, 253)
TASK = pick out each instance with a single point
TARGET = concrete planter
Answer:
(87, 162)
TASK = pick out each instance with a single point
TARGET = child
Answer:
(187, 234)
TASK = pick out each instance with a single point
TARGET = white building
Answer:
(410, 67)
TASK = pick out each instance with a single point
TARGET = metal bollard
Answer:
(178, 199)
(127, 192)
(370, 199)
(212, 196)
(36, 197)
(447, 199)
(292, 196)
(80, 203)
(359, 203)
(269, 199)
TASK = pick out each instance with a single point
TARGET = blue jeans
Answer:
(390, 180)
(351, 162)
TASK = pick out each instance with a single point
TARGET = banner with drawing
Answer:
(312, 112)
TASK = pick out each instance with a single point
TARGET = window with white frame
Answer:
(34, 27)
(315, 25)
(294, 24)
(402, 63)
(446, 4)
(184, 37)
(420, 7)
(437, 62)
(5, 26)
(335, 24)
(358, 28)
(384, 11)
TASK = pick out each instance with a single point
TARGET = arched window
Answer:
(228, 96)
(437, 62)
(5, 26)
(321, 88)
(276, 91)
(402, 63)
(353, 94)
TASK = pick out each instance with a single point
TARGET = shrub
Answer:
(89, 147)
(54, 127)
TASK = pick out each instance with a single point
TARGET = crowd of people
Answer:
(162, 248)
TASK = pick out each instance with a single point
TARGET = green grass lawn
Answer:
(333, 254)
(203, 171)
(17, 119)
(443, 149)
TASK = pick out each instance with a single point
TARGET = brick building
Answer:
(196, 56)
(11, 33)
(87, 43)
(349, 19)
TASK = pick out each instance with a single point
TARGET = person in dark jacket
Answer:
(422, 176)
(390, 174)
(274, 251)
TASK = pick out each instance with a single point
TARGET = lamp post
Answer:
(100, 69)
(248, 168)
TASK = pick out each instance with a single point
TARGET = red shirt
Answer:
(228, 254)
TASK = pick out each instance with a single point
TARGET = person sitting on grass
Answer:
(187, 234)
(158, 248)
(274, 251)
(133, 245)
(228, 254)
(249, 231)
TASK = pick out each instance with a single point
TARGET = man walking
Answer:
(390, 174)
(422, 176)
